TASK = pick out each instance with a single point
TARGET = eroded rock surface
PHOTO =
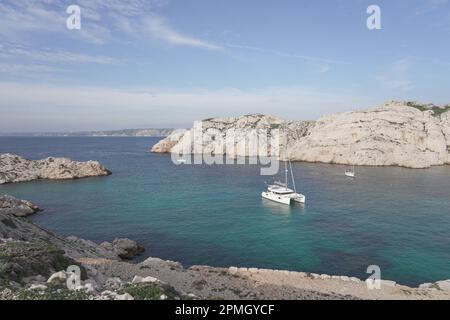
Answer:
(394, 134)
(14, 168)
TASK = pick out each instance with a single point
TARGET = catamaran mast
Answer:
(292, 176)
(286, 173)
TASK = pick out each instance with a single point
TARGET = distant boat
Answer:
(281, 193)
(181, 161)
(350, 172)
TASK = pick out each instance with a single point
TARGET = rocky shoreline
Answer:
(398, 133)
(33, 264)
(14, 169)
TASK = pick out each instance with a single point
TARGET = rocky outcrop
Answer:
(14, 168)
(16, 207)
(166, 144)
(14, 226)
(395, 134)
(123, 248)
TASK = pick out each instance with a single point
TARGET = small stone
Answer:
(344, 278)
(253, 270)
(125, 296)
(38, 287)
(354, 279)
(388, 283)
(150, 280)
(137, 279)
(426, 286)
(443, 285)
(163, 297)
(58, 277)
(233, 270)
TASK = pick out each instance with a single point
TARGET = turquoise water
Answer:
(396, 218)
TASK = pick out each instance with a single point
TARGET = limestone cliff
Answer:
(397, 133)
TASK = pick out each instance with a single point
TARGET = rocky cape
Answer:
(34, 261)
(402, 133)
(14, 168)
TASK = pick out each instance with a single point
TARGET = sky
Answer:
(166, 63)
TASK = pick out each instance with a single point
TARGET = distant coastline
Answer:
(150, 132)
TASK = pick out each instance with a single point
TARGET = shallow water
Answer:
(396, 218)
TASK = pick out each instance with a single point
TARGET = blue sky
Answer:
(165, 63)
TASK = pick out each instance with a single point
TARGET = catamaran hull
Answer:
(300, 198)
(276, 198)
(350, 174)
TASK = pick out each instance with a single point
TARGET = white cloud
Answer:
(100, 19)
(158, 28)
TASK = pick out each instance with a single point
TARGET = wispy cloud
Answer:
(427, 6)
(20, 19)
(13, 51)
(158, 28)
(23, 69)
(321, 65)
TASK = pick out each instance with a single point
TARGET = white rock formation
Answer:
(14, 168)
(169, 141)
(395, 134)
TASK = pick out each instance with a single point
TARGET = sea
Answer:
(395, 218)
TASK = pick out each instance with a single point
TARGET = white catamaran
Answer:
(281, 193)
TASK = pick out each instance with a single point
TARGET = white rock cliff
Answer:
(395, 134)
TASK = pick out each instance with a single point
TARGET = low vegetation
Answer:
(437, 110)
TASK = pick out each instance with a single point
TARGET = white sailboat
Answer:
(350, 172)
(281, 193)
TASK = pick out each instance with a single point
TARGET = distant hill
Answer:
(109, 133)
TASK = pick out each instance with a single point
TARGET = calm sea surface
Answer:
(396, 218)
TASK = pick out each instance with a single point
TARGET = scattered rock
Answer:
(16, 207)
(38, 287)
(58, 277)
(125, 296)
(139, 279)
(388, 283)
(159, 263)
(426, 286)
(233, 270)
(443, 285)
(124, 248)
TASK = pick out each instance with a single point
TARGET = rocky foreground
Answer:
(14, 169)
(401, 133)
(34, 261)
